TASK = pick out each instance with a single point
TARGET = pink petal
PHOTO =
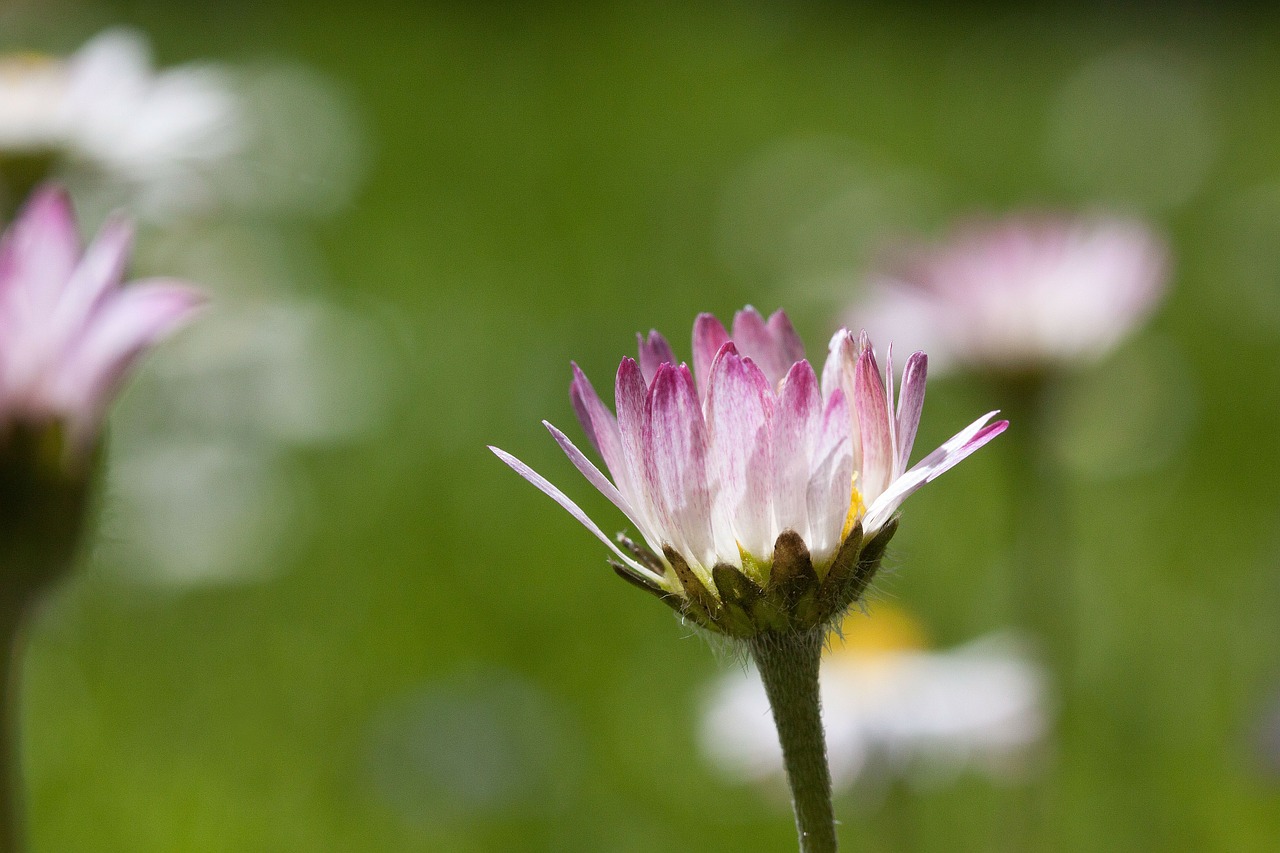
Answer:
(830, 488)
(795, 431)
(840, 369)
(788, 343)
(835, 426)
(601, 482)
(774, 346)
(708, 336)
(98, 273)
(739, 424)
(675, 457)
(891, 409)
(873, 425)
(39, 253)
(600, 426)
(119, 333)
(946, 457)
(653, 352)
(629, 397)
(910, 405)
(573, 509)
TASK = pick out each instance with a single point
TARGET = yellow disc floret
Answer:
(857, 508)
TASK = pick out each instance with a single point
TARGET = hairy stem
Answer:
(788, 665)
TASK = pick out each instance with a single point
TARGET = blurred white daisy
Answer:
(106, 109)
(892, 706)
(33, 99)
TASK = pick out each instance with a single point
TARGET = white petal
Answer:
(573, 509)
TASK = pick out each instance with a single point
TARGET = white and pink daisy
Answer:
(1022, 294)
(764, 495)
(69, 331)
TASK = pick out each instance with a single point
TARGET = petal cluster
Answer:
(748, 477)
(69, 332)
(1022, 294)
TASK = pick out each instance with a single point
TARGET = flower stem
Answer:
(11, 631)
(1043, 582)
(788, 664)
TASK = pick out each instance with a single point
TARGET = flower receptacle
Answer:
(44, 502)
(796, 597)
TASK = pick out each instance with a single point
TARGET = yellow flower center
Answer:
(857, 508)
(884, 631)
(14, 66)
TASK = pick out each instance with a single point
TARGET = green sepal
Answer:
(667, 597)
(44, 504)
(738, 596)
(792, 576)
(870, 556)
(831, 595)
(702, 602)
(643, 555)
(847, 585)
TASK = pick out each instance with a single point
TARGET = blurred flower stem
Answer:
(11, 807)
(1043, 583)
(788, 665)
(44, 505)
(71, 335)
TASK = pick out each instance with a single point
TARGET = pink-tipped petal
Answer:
(772, 345)
(830, 488)
(891, 408)
(99, 272)
(834, 429)
(629, 398)
(910, 405)
(708, 336)
(543, 485)
(675, 456)
(841, 358)
(601, 428)
(956, 444)
(602, 483)
(122, 329)
(654, 352)
(788, 343)
(873, 417)
(946, 457)
(581, 393)
(739, 427)
(41, 251)
(797, 422)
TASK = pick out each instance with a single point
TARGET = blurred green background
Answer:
(444, 662)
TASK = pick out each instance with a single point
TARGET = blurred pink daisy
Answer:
(764, 496)
(69, 332)
(1022, 294)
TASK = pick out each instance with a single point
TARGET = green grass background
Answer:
(547, 179)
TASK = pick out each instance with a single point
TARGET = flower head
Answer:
(764, 496)
(1022, 294)
(69, 333)
(104, 107)
(33, 89)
